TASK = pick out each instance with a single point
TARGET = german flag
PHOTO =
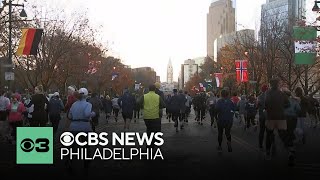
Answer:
(29, 42)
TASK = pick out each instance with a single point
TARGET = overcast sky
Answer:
(149, 32)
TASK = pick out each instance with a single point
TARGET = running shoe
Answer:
(268, 156)
(291, 160)
(175, 124)
(229, 147)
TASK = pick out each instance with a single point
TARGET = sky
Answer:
(149, 32)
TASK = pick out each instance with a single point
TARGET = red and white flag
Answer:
(218, 77)
(241, 70)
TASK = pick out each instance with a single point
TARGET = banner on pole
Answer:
(305, 45)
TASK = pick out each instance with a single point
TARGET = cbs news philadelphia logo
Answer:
(34, 145)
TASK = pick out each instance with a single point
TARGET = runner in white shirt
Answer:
(4, 102)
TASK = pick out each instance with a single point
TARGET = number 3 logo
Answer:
(41, 145)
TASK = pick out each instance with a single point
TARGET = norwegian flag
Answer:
(241, 70)
(218, 77)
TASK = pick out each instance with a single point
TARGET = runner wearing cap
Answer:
(80, 115)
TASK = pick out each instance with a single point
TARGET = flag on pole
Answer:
(218, 77)
(241, 70)
(305, 44)
(29, 41)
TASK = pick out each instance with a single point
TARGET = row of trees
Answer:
(69, 54)
(271, 56)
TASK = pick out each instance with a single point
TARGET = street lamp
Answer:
(316, 7)
(251, 60)
(22, 14)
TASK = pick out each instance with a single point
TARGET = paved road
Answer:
(188, 153)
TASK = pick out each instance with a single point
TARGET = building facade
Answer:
(169, 72)
(145, 75)
(188, 69)
(284, 11)
(158, 79)
(200, 62)
(221, 19)
(245, 35)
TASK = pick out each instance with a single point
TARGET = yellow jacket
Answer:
(151, 105)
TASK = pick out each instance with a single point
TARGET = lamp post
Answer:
(22, 14)
(317, 10)
(316, 7)
(251, 60)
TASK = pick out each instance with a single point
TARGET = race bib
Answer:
(14, 108)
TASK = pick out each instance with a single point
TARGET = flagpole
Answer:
(22, 14)
(10, 41)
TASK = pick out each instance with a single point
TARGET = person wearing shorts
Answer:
(275, 103)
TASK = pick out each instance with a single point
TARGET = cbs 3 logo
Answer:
(40, 145)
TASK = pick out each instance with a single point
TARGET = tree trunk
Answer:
(306, 79)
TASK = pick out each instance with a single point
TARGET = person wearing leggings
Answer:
(225, 111)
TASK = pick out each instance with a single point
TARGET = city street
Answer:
(188, 153)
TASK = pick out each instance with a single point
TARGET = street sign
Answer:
(8, 65)
(9, 76)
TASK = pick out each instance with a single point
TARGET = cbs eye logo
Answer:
(67, 139)
(40, 145)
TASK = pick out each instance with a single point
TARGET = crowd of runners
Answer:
(273, 108)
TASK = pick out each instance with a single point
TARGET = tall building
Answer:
(245, 35)
(145, 75)
(200, 61)
(278, 17)
(158, 79)
(180, 85)
(221, 20)
(286, 11)
(170, 72)
(188, 69)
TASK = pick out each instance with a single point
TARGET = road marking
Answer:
(246, 144)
